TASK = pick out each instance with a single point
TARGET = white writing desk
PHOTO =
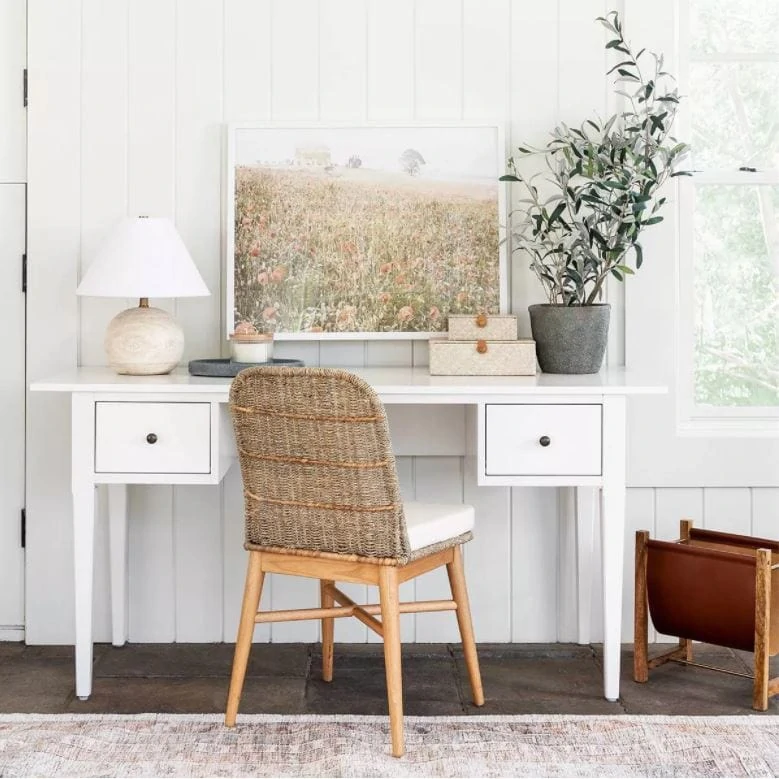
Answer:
(543, 430)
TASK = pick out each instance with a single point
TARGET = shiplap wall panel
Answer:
(13, 59)
(197, 534)
(391, 60)
(535, 56)
(438, 59)
(247, 60)
(151, 115)
(534, 564)
(103, 151)
(486, 54)
(152, 570)
(151, 191)
(12, 396)
(295, 60)
(54, 243)
(728, 509)
(175, 72)
(765, 512)
(343, 74)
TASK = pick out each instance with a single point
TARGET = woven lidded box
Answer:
(485, 327)
(482, 358)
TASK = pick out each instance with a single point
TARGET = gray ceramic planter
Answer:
(570, 339)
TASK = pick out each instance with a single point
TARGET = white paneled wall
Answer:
(128, 99)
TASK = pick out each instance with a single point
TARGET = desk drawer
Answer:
(152, 437)
(543, 440)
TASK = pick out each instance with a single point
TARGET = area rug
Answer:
(161, 745)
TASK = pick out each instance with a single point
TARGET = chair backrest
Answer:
(317, 464)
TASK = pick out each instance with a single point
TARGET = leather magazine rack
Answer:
(718, 588)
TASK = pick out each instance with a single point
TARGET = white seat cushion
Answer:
(431, 523)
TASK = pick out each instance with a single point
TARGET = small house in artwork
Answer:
(312, 156)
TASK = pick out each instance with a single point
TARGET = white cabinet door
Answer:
(13, 57)
(12, 403)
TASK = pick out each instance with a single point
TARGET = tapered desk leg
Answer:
(613, 539)
(117, 530)
(84, 555)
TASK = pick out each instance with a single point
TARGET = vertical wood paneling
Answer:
(727, 509)
(534, 559)
(673, 505)
(487, 558)
(151, 114)
(343, 61)
(438, 60)
(13, 59)
(103, 203)
(247, 64)
(151, 190)
(197, 535)
(199, 83)
(103, 153)
(12, 396)
(151, 565)
(534, 112)
(486, 58)
(765, 511)
(390, 60)
(581, 82)
(295, 64)
(54, 242)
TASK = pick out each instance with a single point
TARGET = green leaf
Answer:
(626, 270)
(559, 208)
(509, 177)
(639, 255)
(653, 221)
(617, 274)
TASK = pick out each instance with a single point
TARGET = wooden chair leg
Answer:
(390, 619)
(762, 628)
(251, 601)
(328, 631)
(640, 612)
(456, 573)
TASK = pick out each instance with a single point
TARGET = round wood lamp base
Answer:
(144, 341)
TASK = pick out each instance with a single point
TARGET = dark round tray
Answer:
(226, 368)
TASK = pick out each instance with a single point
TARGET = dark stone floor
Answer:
(286, 679)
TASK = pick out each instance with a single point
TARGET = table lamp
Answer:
(143, 257)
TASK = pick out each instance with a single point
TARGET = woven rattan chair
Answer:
(322, 501)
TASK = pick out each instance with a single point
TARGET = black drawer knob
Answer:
(545, 440)
(151, 438)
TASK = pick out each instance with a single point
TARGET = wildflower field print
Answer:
(350, 230)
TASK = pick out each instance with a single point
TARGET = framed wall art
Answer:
(363, 231)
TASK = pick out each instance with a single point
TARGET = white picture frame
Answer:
(243, 139)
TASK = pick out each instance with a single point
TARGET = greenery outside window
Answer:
(729, 239)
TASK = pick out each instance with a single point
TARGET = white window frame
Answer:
(694, 419)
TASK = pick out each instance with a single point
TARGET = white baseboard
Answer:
(11, 633)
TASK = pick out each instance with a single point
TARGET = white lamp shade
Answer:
(143, 257)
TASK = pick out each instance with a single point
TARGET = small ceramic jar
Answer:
(251, 347)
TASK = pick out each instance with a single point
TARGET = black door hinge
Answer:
(24, 86)
(24, 272)
(24, 529)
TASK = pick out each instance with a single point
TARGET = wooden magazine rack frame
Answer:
(718, 588)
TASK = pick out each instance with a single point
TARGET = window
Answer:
(729, 240)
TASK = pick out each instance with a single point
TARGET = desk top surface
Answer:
(387, 382)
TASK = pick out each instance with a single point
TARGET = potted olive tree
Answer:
(601, 189)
